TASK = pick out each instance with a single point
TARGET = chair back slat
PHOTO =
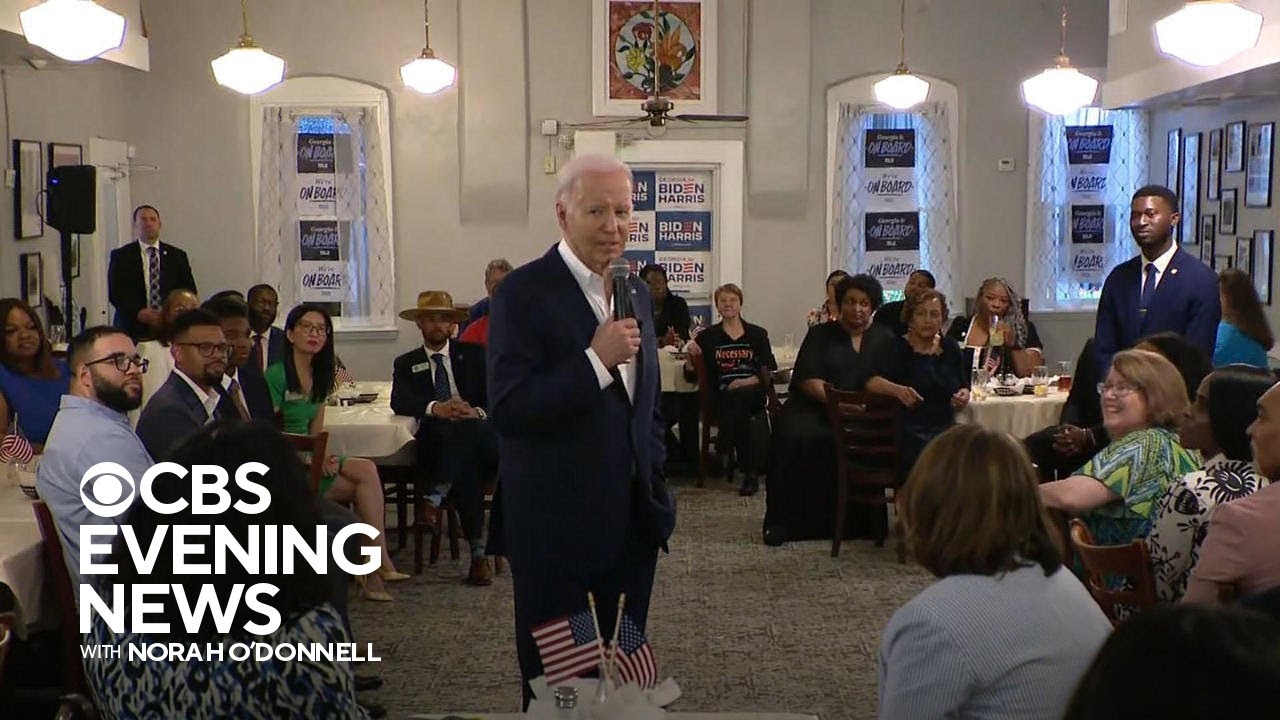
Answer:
(314, 446)
(1116, 575)
(868, 434)
(55, 564)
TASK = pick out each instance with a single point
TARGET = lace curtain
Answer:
(935, 187)
(361, 208)
(1050, 284)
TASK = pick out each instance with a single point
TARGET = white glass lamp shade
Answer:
(901, 90)
(1209, 32)
(74, 30)
(248, 70)
(1059, 90)
(427, 74)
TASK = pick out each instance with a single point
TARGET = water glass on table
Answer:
(1040, 381)
(978, 385)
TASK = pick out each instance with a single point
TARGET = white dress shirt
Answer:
(1161, 263)
(592, 285)
(208, 398)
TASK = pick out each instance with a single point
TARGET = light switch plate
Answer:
(1005, 165)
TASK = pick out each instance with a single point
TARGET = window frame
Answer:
(324, 94)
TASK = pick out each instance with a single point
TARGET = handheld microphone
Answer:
(619, 269)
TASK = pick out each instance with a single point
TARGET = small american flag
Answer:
(993, 362)
(635, 658)
(15, 448)
(343, 376)
(568, 646)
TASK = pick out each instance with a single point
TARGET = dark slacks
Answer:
(735, 410)
(681, 410)
(546, 590)
(460, 454)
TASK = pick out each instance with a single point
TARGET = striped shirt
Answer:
(992, 647)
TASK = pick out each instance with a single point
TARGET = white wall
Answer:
(197, 132)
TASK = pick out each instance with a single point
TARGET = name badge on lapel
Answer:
(290, 396)
(420, 367)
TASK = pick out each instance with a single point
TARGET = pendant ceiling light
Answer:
(902, 90)
(247, 68)
(426, 73)
(1208, 32)
(1061, 89)
(73, 30)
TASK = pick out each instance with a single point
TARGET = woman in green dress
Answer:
(300, 383)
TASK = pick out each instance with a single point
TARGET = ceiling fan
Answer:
(657, 108)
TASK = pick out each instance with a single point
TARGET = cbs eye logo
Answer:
(107, 489)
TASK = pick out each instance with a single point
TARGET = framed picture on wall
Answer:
(1213, 172)
(1208, 229)
(1233, 149)
(29, 177)
(1263, 250)
(1244, 254)
(64, 154)
(1191, 187)
(1173, 170)
(31, 269)
(1221, 262)
(1257, 177)
(1227, 212)
(625, 40)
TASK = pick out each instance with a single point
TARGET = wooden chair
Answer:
(868, 432)
(1116, 575)
(315, 445)
(451, 523)
(73, 680)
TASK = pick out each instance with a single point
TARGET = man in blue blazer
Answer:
(1163, 288)
(190, 397)
(574, 395)
(267, 340)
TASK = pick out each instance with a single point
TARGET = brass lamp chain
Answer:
(902, 35)
(426, 25)
(245, 39)
(1062, 49)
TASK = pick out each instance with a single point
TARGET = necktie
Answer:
(441, 378)
(234, 391)
(1148, 287)
(153, 275)
(257, 351)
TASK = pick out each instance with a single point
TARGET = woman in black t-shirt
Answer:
(733, 351)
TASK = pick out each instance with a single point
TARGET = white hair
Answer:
(584, 165)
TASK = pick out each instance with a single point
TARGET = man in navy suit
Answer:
(190, 397)
(1163, 288)
(266, 340)
(141, 275)
(574, 395)
(243, 385)
(442, 383)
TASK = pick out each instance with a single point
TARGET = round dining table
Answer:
(22, 553)
(369, 430)
(1018, 415)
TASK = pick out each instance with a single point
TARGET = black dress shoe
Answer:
(774, 536)
(365, 683)
(374, 710)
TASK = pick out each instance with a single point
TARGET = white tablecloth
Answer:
(22, 554)
(1019, 415)
(369, 430)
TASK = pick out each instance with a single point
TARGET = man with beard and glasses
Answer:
(192, 395)
(91, 427)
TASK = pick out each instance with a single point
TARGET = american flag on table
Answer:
(343, 376)
(568, 646)
(993, 362)
(15, 448)
(635, 659)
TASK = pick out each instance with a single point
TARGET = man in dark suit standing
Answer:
(141, 275)
(442, 383)
(1163, 288)
(574, 395)
(266, 340)
(243, 385)
(189, 398)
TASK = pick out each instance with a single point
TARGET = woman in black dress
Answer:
(670, 312)
(925, 372)
(801, 486)
(733, 351)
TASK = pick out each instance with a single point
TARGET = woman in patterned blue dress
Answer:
(220, 687)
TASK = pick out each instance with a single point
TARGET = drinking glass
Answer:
(1040, 380)
(978, 384)
(57, 334)
(1064, 376)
